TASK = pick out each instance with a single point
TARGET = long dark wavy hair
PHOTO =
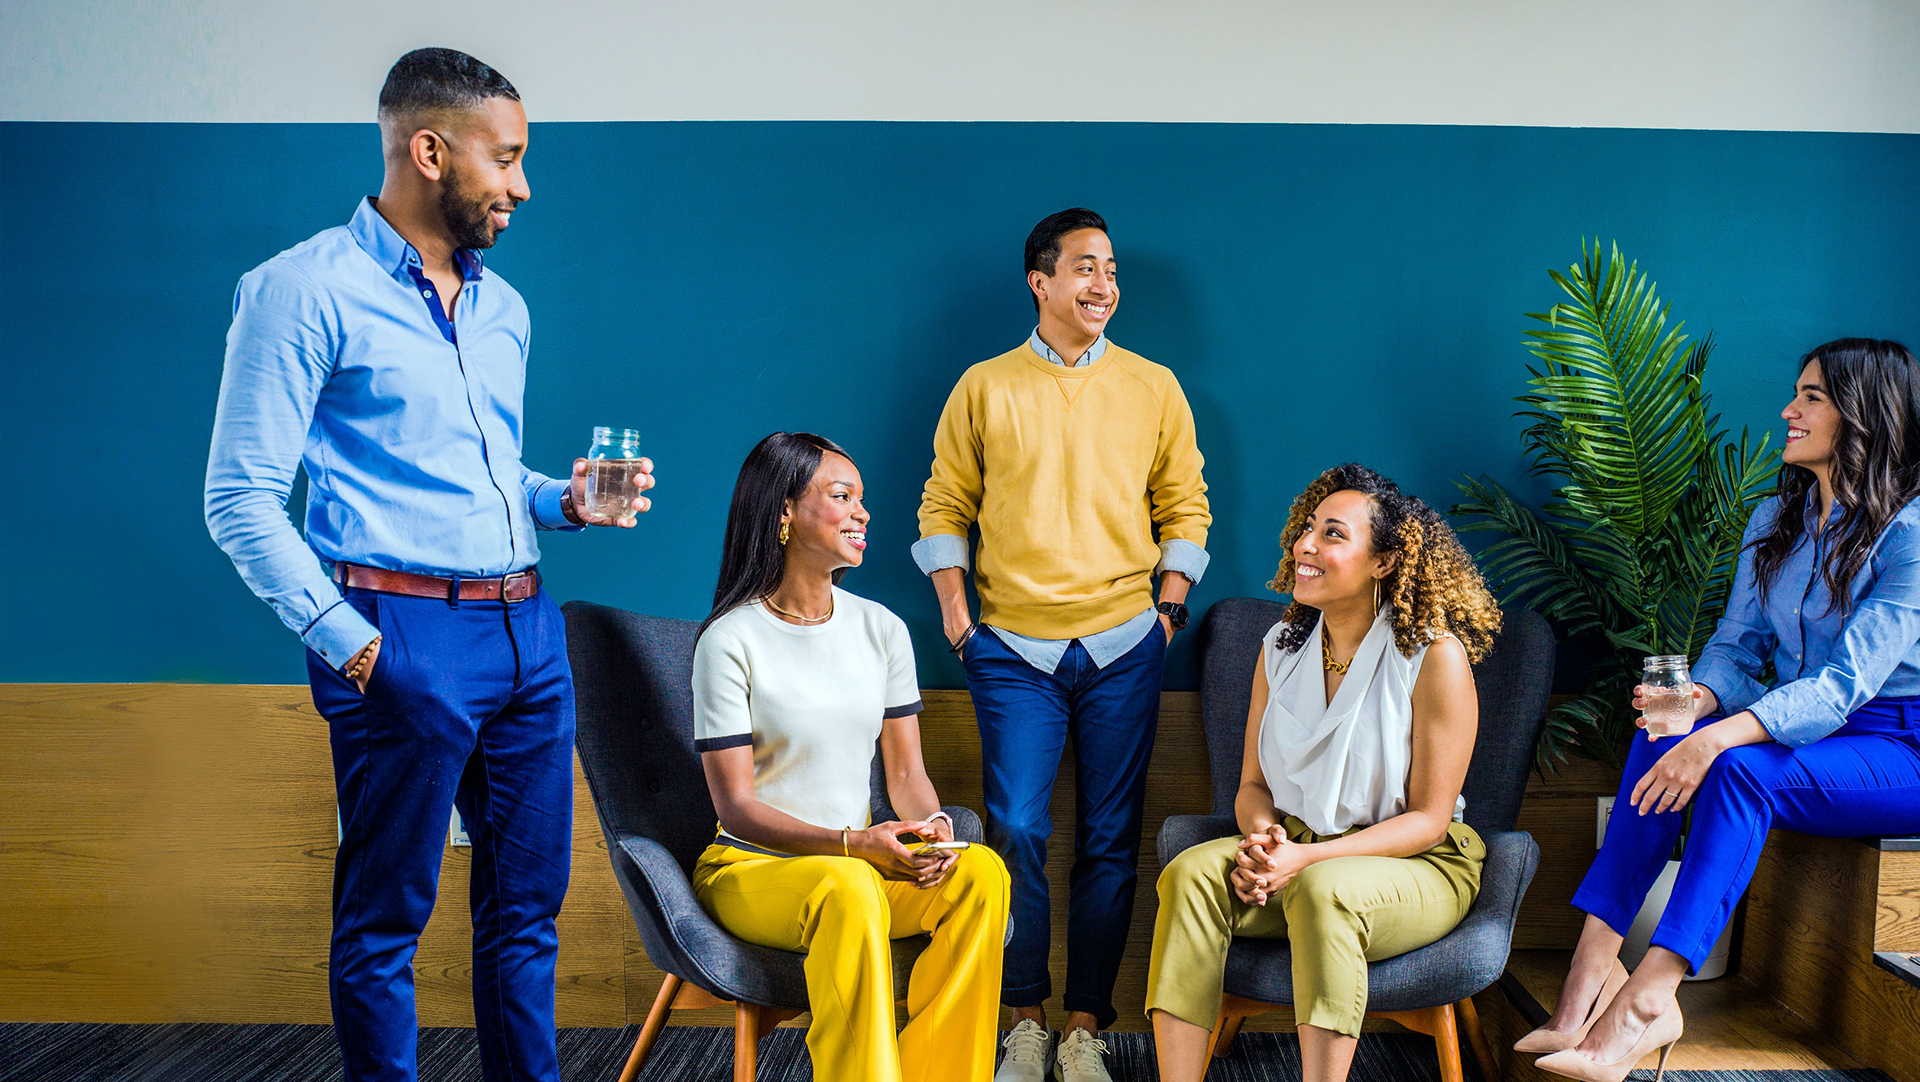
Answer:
(1875, 387)
(751, 558)
(1434, 588)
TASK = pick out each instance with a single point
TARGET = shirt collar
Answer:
(389, 249)
(1812, 511)
(1094, 352)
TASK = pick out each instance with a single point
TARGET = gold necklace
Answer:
(768, 602)
(1326, 654)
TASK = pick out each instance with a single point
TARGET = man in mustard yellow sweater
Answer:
(1076, 459)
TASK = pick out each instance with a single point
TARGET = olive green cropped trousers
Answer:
(1338, 915)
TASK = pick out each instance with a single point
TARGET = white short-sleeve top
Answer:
(810, 700)
(1345, 763)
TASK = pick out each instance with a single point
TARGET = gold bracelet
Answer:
(843, 842)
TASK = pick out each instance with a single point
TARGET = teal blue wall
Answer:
(1324, 292)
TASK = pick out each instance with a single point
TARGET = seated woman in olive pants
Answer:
(1358, 737)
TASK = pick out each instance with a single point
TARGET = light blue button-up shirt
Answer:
(1103, 647)
(341, 358)
(1825, 665)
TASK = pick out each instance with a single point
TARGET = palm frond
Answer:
(1616, 399)
(1640, 535)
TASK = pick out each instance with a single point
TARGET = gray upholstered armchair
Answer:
(633, 681)
(1428, 990)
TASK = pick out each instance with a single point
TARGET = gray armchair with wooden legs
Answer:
(1428, 990)
(633, 683)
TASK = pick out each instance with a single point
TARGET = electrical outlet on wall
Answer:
(457, 832)
(1603, 812)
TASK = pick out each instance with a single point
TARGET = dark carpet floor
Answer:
(83, 1052)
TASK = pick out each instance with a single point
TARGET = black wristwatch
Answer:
(1175, 612)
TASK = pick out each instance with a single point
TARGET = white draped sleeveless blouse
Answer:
(1341, 764)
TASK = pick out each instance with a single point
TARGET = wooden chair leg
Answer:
(1446, 1042)
(1438, 1023)
(1224, 1031)
(1477, 1039)
(650, 1032)
(746, 1041)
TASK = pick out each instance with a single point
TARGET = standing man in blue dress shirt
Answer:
(387, 359)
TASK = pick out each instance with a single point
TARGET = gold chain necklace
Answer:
(768, 602)
(1326, 654)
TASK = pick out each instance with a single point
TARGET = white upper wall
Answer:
(1832, 65)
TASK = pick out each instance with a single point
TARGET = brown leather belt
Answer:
(515, 587)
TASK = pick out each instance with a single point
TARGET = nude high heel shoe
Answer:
(1661, 1033)
(1545, 1040)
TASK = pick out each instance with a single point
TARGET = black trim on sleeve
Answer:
(722, 743)
(907, 711)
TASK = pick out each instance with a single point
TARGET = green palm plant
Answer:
(1638, 541)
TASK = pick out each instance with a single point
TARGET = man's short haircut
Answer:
(440, 80)
(1043, 244)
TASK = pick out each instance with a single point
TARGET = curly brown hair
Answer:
(1434, 589)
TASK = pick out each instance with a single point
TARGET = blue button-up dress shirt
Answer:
(1103, 647)
(1826, 665)
(341, 357)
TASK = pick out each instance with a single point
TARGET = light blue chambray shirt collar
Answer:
(380, 240)
(1094, 352)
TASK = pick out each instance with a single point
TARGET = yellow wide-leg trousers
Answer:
(843, 914)
(1337, 915)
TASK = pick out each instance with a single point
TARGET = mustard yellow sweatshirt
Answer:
(1068, 472)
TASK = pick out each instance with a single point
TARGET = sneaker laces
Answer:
(1027, 1044)
(1081, 1051)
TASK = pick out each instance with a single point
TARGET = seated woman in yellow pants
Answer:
(1358, 736)
(794, 680)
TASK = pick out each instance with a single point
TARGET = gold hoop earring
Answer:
(786, 531)
(1376, 597)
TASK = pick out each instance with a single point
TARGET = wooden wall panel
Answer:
(1809, 940)
(166, 853)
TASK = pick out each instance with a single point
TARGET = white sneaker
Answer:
(1079, 1058)
(1026, 1059)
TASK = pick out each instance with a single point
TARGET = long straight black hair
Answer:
(1875, 387)
(752, 560)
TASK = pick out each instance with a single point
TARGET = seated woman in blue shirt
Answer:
(1828, 591)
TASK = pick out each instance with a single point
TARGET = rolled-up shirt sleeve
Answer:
(1184, 557)
(1882, 630)
(280, 354)
(941, 551)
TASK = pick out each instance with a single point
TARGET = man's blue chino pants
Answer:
(1025, 717)
(471, 705)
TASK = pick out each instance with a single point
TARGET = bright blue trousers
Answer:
(1025, 717)
(1862, 780)
(469, 705)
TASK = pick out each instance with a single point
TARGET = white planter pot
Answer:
(1640, 936)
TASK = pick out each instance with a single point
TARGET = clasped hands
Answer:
(880, 846)
(1268, 860)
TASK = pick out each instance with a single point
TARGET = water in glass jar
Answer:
(610, 490)
(1669, 711)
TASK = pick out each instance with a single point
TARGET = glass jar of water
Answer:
(613, 463)
(1667, 688)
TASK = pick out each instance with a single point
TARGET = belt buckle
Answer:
(504, 579)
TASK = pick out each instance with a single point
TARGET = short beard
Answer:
(468, 221)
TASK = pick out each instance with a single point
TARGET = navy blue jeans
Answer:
(469, 705)
(1025, 717)
(1861, 780)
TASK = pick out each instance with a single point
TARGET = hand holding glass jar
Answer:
(609, 482)
(1667, 698)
